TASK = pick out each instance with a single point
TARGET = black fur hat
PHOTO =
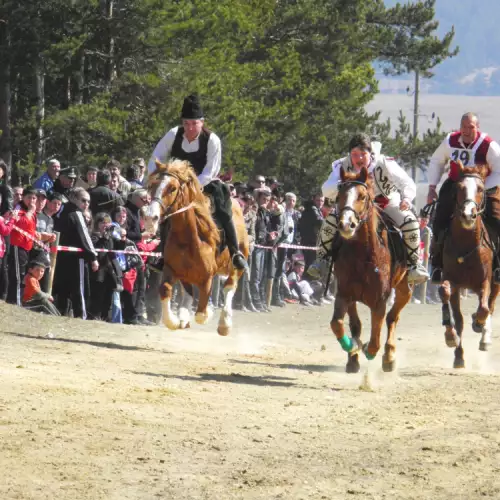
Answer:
(191, 109)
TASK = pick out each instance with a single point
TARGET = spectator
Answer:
(138, 199)
(262, 222)
(6, 224)
(6, 195)
(272, 183)
(21, 246)
(115, 168)
(141, 163)
(259, 182)
(65, 181)
(17, 194)
(109, 276)
(45, 230)
(133, 177)
(310, 225)
(33, 297)
(46, 181)
(71, 277)
(90, 180)
(301, 287)
(102, 198)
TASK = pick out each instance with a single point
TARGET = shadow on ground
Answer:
(291, 366)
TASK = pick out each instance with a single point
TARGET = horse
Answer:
(365, 273)
(191, 252)
(468, 262)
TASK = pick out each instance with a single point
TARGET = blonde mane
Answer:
(191, 192)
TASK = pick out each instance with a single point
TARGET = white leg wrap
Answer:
(408, 224)
(326, 236)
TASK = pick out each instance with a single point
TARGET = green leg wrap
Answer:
(346, 343)
(368, 356)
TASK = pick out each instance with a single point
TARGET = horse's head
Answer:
(471, 197)
(172, 186)
(353, 201)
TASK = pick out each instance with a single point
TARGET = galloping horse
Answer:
(191, 253)
(467, 262)
(365, 273)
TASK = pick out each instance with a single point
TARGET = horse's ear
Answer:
(342, 174)
(363, 175)
(158, 164)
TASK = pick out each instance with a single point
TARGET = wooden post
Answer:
(53, 259)
(427, 244)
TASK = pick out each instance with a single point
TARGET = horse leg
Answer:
(337, 326)
(402, 297)
(450, 334)
(226, 315)
(482, 318)
(355, 327)
(459, 325)
(170, 319)
(186, 305)
(203, 313)
(377, 316)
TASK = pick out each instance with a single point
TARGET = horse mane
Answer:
(191, 192)
(483, 169)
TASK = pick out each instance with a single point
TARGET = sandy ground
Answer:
(96, 411)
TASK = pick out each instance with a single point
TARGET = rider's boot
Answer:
(325, 244)
(238, 259)
(411, 237)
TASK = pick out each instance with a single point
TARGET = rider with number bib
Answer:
(471, 147)
(394, 193)
(194, 143)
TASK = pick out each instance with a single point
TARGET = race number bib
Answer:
(466, 156)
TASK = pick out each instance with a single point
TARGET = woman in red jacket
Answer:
(20, 246)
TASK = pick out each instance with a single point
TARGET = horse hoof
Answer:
(172, 325)
(476, 327)
(388, 366)
(201, 319)
(223, 331)
(352, 367)
(451, 338)
(368, 356)
(459, 363)
(484, 346)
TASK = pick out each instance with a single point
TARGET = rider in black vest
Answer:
(194, 143)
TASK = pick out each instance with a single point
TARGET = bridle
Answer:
(480, 208)
(167, 209)
(368, 201)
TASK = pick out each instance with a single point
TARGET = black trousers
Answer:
(72, 288)
(18, 263)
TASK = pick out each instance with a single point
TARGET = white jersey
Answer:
(390, 180)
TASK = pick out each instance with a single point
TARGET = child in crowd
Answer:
(301, 288)
(33, 297)
(6, 225)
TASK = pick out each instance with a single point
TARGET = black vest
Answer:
(198, 159)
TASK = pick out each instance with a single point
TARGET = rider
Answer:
(471, 147)
(394, 193)
(193, 142)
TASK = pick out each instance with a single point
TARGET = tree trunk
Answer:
(40, 113)
(5, 97)
(107, 12)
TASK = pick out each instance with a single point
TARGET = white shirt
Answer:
(443, 155)
(164, 147)
(390, 180)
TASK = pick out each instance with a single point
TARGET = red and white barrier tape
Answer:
(104, 250)
(32, 238)
(287, 245)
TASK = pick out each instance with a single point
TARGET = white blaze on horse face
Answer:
(470, 197)
(346, 217)
(154, 209)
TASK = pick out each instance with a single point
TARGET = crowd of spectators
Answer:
(104, 210)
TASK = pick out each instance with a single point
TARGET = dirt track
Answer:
(116, 412)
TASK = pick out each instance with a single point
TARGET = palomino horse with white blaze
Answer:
(468, 262)
(191, 253)
(365, 273)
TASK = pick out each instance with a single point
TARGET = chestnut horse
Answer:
(365, 273)
(191, 253)
(468, 262)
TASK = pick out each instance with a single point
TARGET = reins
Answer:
(350, 209)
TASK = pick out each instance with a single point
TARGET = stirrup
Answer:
(496, 276)
(239, 261)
